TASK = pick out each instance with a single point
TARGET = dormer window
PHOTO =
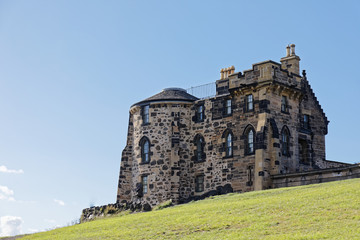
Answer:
(200, 113)
(145, 114)
(284, 104)
(249, 103)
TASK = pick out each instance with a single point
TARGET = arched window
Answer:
(145, 150)
(250, 143)
(285, 136)
(228, 144)
(199, 148)
(249, 140)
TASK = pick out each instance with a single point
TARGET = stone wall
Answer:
(319, 176)
(124, 193)
(89, 214)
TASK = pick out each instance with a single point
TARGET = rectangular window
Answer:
(145, 114)
(306, 123)
(199, 149)
(285, 143)
(250, 173)
(284, 104)
(228, 146)
(144, 181)
(249, 102)
(199, 183)
(200, 113)
(228, 109)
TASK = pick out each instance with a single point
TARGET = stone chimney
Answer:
(291, 62)
(226, 72)
(288, 51)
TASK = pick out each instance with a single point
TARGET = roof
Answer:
(169, 94)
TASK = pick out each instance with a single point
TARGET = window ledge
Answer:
(199, 121)
(144, 163)
(249, 154)
(304, 130)
(304, 163)
(201, 161)
(285, 155)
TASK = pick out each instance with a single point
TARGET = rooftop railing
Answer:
(203, 91)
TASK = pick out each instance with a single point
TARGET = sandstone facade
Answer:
(264, 126)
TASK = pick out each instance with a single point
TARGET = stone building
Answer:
(264, 129)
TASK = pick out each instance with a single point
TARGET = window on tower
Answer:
(249, 103)
(145, 114)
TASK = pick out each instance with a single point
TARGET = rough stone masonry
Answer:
(264, 129)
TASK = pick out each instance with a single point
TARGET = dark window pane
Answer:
(306, 124)
(199, 148)
(251, 141)
(229, 145)
(199, 184)
(285, 142)
(284, 104)
(228, 106)
(200, 113)
(144, 182)
(249, 102)
(145, 113)
(145, 151)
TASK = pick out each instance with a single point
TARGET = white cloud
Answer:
(4, 169)
(10, 225)
(6, 193)
(61, 203)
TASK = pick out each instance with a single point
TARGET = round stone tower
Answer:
(157, 128)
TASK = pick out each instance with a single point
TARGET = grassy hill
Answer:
(321, 211)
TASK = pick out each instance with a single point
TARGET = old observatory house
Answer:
(263, 129)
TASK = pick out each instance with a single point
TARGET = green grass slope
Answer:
(321, 211)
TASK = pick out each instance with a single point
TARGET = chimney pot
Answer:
(288, 51)
(292, 49)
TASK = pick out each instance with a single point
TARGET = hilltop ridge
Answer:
(319, 211)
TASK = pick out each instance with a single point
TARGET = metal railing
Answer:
(203, 91)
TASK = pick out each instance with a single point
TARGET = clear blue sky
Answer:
(70, 70)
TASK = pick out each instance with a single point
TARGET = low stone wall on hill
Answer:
(92, 213)
(317, 176)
